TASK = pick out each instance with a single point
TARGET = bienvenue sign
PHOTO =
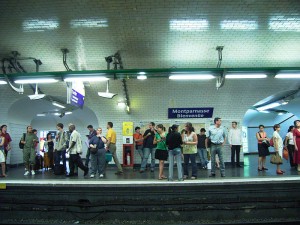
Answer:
(186, 113)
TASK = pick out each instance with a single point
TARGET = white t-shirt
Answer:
(291, 138)
(75, 137)
(280, 143)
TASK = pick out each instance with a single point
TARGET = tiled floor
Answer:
(249, 171)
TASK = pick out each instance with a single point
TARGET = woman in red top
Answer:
(296, 136)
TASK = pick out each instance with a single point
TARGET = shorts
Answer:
(161, 154)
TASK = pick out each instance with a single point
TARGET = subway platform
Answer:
(244, 196)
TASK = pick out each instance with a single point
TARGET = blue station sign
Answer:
(188, 113)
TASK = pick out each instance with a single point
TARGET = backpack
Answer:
(21, 145)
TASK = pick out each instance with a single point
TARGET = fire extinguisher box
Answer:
(128, 155)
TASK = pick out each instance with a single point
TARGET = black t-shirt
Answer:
(173, 140)
(201, 141)
(148, 141)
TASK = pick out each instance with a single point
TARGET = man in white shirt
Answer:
(75, 149)
(235, 139)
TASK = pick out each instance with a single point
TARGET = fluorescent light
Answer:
(68, 113)
(288, 76)
(264, 111)
(58, 105)
(269, 106)
(238, 25)
(141, 73)
(36, 81)
(106, 94)
(89, 23)
(3, 82)
(85, 79)
(281, 23)
(37, 25)
(189, 25)
(122, 105)
(141, 77)
(57, 114)
(245, 76)
(41, 114)
(191, 77)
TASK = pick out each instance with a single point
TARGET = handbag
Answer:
(276, 159)
(285, 154)
(93, 150)
(266, 143)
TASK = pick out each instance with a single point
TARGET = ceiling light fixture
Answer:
(245, 76)
(41, 114)
(36, 94)
(288, 76)
(36, 81)
(269, 106)
(106, 94)
(121, 105)
(191, 77)
(3, 82)
(238, 25)
(68, 113)
(85, 79)
(58, 105)
(189, 25)
(141, 77)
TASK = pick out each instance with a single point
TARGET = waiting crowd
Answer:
(155, 141)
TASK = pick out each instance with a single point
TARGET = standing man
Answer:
(235, 139)
(92, 133)
(29, 140)
(75, 149)
(138, 140)
(217, 136)
(111, 137)
(7, 140)
(149, 147)
(61, 146)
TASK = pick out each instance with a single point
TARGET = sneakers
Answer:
(185, 177)
(26, 173)
(92, 176)
(101, 176)
(212, 175)
(32, 172)
(193, 178)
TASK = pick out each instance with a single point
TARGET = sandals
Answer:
(162, 177)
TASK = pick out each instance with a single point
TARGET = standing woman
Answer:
(278, 145)
(296, 134)
(174, 142)
(98, 160)
(50, 147)
(161, 150)
(190, 151)
(2, 155)
(263, 150)
(289, 143)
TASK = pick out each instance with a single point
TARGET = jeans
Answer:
(147, 152)
(187, 158)
(202, 152)
(177, 154)
(291, 150)
(98, 162)
(61, 155)
(87, 157)
(217, 150)
(139, 148)
(235, 150)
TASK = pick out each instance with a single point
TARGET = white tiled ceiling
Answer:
(152, 33)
